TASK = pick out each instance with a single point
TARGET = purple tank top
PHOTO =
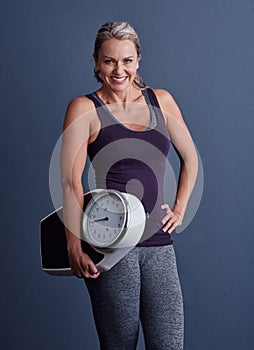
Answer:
(134, 162)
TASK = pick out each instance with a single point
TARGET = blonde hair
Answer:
(120, 31)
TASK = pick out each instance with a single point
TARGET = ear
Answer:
(138, 60)
(95, 63)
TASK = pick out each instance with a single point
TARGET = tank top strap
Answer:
(101, 109)
(150, 96)
(94, 99)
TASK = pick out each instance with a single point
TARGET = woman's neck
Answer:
(110, 96)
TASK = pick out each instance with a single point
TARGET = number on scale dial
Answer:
(105, 218)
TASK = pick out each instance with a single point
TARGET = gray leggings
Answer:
(143, 285)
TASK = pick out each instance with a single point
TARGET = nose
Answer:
(118, 70)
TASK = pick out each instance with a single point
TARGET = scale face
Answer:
(105, 219)
(112, 224)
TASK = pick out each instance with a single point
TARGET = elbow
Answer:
(193, 159)
(191, 162)
(66, 184)
(70, 184)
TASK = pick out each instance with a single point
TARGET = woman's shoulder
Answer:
(81, 103)
(162, 95)
(77, 107)
(168, 104)
(165, 99)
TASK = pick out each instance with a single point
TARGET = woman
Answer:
(144, 285)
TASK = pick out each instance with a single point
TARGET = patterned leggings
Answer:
(144, 286)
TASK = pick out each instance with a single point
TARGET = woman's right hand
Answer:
(81, 264)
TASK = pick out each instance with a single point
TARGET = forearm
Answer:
(73, 199)
(80, 263)
(186, 182)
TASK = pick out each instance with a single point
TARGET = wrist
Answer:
(179, 209)
(73, 242)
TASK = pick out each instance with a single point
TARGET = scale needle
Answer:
(102, 219)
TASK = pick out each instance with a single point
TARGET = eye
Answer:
(128, 61)
(109, 61)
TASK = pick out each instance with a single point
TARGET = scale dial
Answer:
(105, 218)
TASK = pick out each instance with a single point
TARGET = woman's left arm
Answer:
(185, 148)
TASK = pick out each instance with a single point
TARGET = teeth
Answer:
(118, 79)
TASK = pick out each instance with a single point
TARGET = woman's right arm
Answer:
(76, 133)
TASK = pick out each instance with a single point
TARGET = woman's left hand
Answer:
(171, 220)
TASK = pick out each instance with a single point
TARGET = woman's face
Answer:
(118, 62)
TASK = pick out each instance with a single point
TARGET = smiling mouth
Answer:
(119, 80)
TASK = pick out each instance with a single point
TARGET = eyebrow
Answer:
(114, 59)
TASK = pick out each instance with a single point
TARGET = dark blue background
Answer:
(201, 51)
